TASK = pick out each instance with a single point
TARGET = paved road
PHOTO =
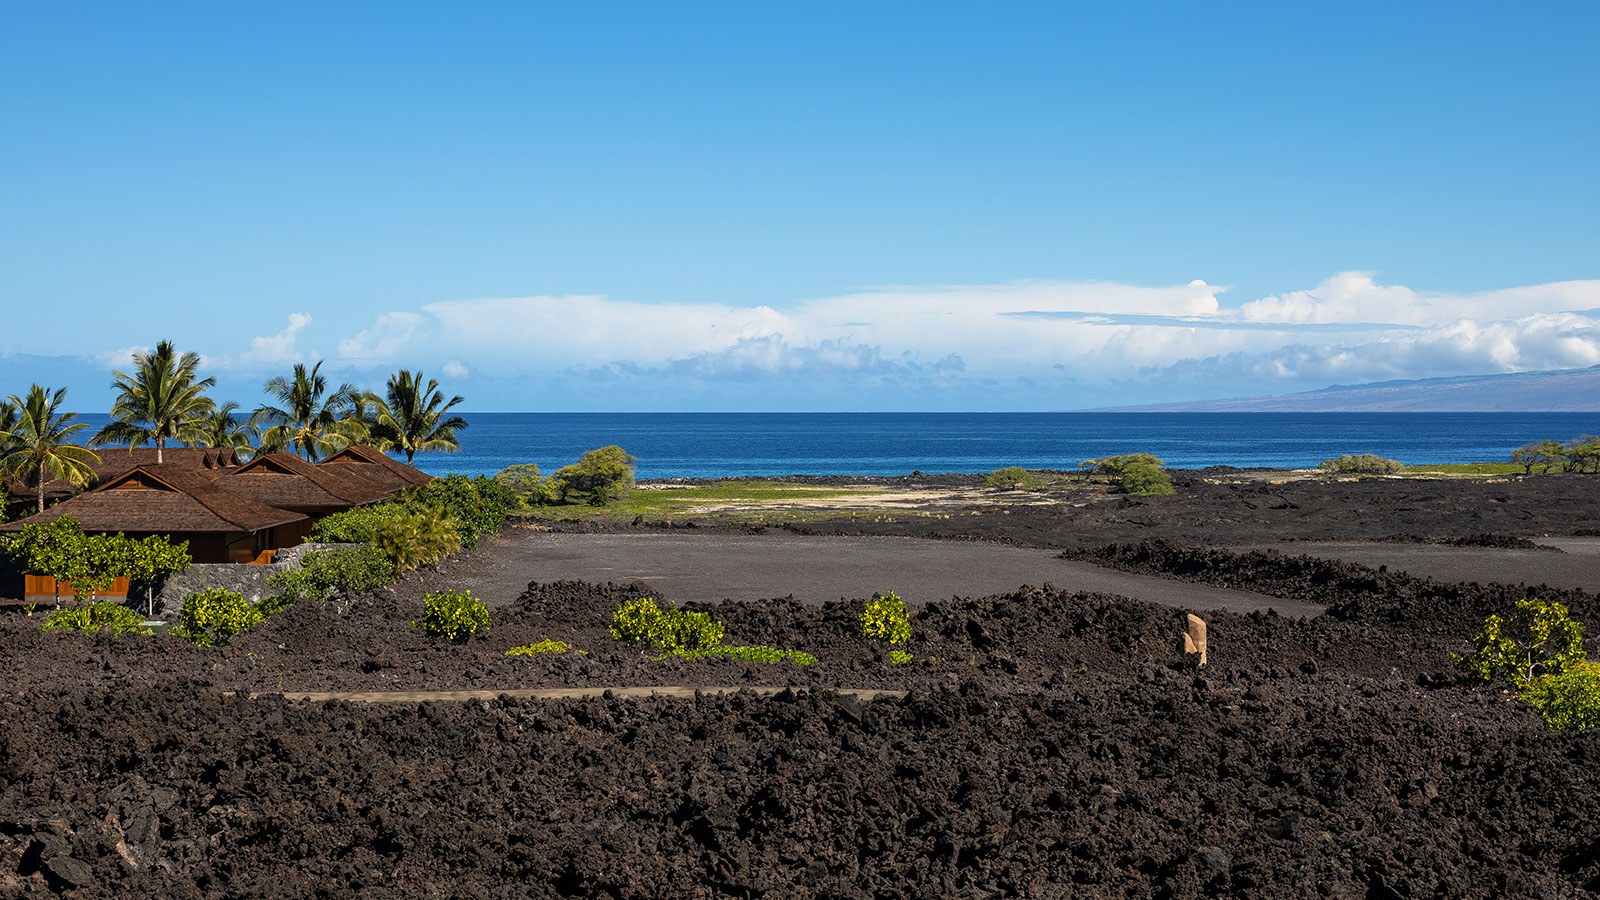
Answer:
(1576, 567)
(816, 569)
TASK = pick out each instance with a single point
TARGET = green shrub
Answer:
(1540, 639)
(597, 477)
(1010, 478)
(105, 614)
(752, 654)
(525, 483)
(1135, 473)
(454, 616)
(356, 526)
(884, 619)
(212, 617)
(899, 657)
(1362, 464)
(417, 538)
(541, 647)
(1570, 700)
(667, 631)
(328, 573)
(470, 507)
(1113, 466)
(1145, 480)
(474, 506)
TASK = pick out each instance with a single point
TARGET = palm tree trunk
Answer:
(160, 443)
(41, 487)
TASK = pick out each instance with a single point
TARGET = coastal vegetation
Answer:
(1360, 464)
(420, 515)
(453, 615)
(1538, 652)
(1135, 473)
(598, 477)
(1580, 454)
(660, 633)
(162, 400)
(38, 444)
(306, 419)
(96, 617)
(91, 562)
(212, 617)
(1010, 478)
(413, 418)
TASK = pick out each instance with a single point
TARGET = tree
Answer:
(527, 484)
(597, 476)
(412, 418)
(1584, 453)
(308, 420)
(62, 551)
(223, 429)
(1136, 473)
(1541, 453)
(39, 441)
(146, 561)
(160, 401)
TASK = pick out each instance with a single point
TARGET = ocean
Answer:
(712, 445)
(715, 445)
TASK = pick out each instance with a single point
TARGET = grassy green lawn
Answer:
(1483, 468)
(670, 501)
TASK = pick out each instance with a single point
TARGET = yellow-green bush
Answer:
(665, 631)
(884, 619)
(453, 616)
(1569, 701)
(105, 614)
(752, 654)
(1539, 639)
(1539, 652)
(212, 617)
(541, 647)
(899, 657)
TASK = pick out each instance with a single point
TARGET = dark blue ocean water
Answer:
(722, 444)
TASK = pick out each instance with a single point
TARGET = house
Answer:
(227, 511)
(115, 461)
(173, 500)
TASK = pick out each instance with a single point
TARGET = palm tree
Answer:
(412, 419)
(160, 401)
(308, 420)
(223, 429)
(38, 441)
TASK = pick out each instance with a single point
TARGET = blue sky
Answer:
(801, 206)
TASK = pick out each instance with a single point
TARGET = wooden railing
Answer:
(46, 587)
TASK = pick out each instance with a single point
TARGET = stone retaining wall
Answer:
(246, 580)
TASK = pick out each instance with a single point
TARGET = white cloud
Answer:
(118, 360)
(1349, 328)
(278, 347)
(275, 349)
(1352, 297)
(389, 335)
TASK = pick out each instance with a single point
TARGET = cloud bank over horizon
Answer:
(1017, 345)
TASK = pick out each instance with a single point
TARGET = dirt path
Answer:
(1576, 566)
(714, 567)
(554, 693)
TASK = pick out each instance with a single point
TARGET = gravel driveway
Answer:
(714, 567)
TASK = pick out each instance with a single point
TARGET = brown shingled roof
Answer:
(364, 459)
(289, 482)
(167, 498)
(114, 461)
